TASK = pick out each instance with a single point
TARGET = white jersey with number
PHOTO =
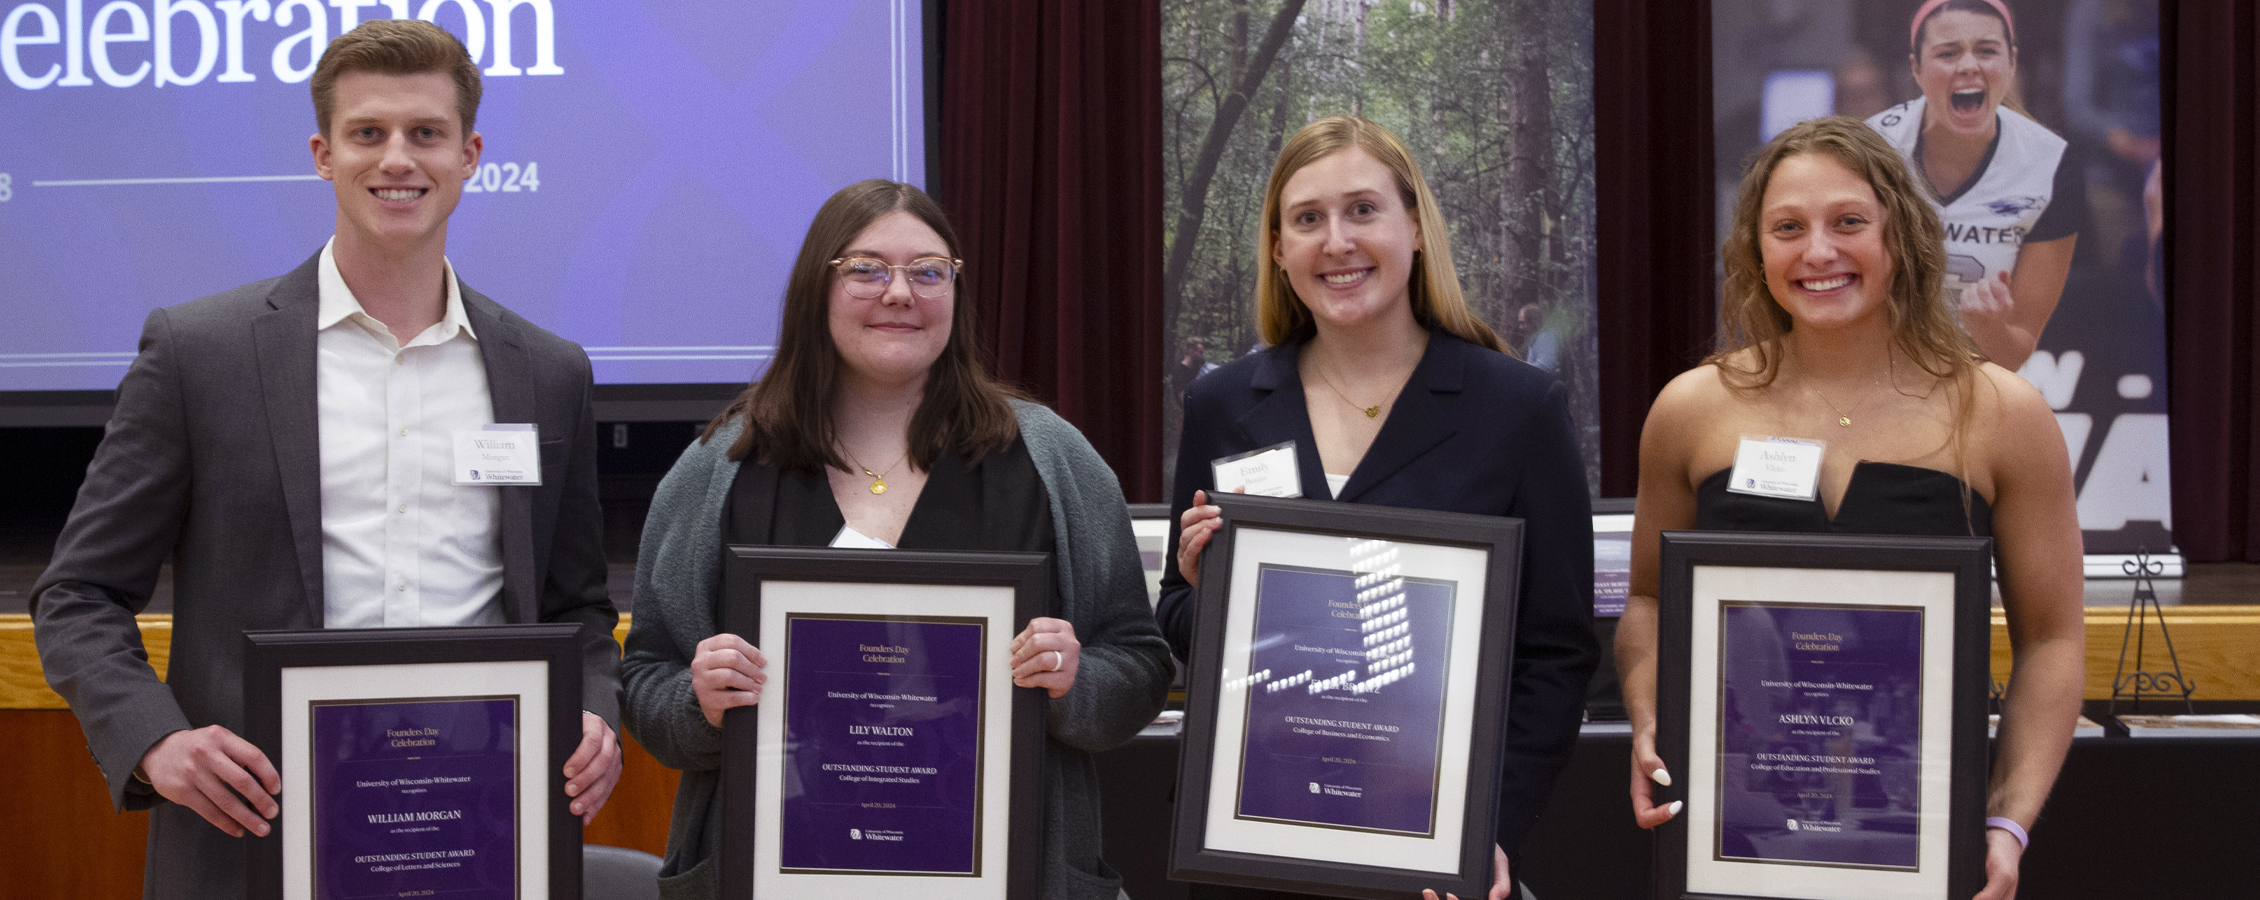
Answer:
(1990, 219)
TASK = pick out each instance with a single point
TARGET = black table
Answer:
(2130, 817)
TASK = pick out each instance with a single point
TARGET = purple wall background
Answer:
(681, 154)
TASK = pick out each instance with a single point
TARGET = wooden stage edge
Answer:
(60, 814)
(2219, 647)
(64, 815)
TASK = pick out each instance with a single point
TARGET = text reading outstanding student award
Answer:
(1345, 718)
(416, 798)
(883, 745)
(1820, 734)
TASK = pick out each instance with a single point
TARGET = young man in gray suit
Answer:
(289, 446)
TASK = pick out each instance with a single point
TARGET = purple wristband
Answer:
(2010, 825)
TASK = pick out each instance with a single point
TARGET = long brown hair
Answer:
(788, 410)
(1281, 317)
(1922, 327)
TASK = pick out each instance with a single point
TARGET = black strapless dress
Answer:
(1882, 498)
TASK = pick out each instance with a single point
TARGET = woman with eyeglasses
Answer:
(875, 426)
(1394, 393)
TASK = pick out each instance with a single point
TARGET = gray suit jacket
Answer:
(211, 459)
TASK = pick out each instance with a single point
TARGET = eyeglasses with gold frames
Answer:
(930, 276)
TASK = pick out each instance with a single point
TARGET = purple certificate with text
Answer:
(1346, 700)
(415, 798)
(883, 720)
(1820, 732)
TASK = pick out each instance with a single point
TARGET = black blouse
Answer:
(1882, 498)
(998, 503)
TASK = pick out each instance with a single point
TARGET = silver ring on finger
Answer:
(1059, 660)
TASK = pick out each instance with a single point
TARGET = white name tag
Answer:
(1268, 472)
(498, 455)
(1777, 467)
(856, 540)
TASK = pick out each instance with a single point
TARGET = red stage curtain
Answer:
(2212, 238)
(1051, 172)
(1656, 291)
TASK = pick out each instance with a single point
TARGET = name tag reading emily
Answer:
(1777, 467)
(499, 454)
(1265, 472)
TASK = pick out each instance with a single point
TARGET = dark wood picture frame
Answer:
(268, 653)
(1501, 539)
(1968, 559)
(746, 568)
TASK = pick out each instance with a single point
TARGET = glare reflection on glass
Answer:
(1381, 600)
(1386, 634)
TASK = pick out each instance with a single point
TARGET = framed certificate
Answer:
(1347, 699)
(1821, 703)
(417, 762)
(891, 754)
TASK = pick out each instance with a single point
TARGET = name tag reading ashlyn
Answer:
(1266, 472)
(499, 454)
(1777, 467)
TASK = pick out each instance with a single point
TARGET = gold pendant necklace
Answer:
(878, 479)
(1843, 419)
(1371, 412)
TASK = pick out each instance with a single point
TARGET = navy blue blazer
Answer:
(1474, 431)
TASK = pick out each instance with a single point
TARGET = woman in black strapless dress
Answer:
(1833, 330)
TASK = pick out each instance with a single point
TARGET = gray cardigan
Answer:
(1119, 685)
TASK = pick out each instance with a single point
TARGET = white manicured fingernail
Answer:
(1675, 805)
(1661, 777)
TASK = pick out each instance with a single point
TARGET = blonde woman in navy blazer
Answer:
(1379, 372)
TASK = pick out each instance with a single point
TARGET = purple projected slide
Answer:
(1820, 733)
(883, 745)
(1345, 717)
(416, 798)
(649, 170)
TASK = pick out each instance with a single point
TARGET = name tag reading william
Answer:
(1777, 467)
(498, 454)
(1265, 472)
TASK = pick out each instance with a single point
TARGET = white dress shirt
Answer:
(402, 545)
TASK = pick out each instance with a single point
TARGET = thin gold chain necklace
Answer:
(1371, 412)
(1844, 419)
(878, 479)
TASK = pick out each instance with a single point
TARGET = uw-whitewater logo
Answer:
(2016, 206)
(1314, 787)
(855, 834)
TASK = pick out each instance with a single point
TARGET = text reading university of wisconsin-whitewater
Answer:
(123, 44)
